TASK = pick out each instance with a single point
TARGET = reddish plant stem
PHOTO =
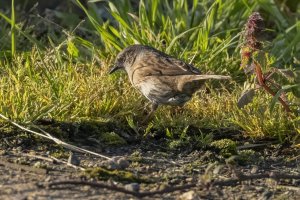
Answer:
(261, 82)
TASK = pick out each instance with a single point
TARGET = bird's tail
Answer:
(207, 76)
(191, 83)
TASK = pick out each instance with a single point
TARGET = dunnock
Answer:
(161, 78)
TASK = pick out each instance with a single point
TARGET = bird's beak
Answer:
(113, 69)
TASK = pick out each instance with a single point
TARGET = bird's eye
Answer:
(121, 59)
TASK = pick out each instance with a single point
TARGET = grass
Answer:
(67, 78)
(41, 86)
(13, 21)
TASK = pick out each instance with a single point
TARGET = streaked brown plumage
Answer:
(162, 79)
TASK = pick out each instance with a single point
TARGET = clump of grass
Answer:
(247, 156)
(111, 138)
(226, 147)
(38, 87)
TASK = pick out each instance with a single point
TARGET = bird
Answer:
(161, 78)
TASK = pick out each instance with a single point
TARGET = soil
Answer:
(30, 167)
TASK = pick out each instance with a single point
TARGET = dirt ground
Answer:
(35, 169)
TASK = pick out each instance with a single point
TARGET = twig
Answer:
(120, 189)
(228, 182)
(251, 146)
(241, 177)
(52, 159)
(36, 156)
(72, 147)
(159, 160)
(23, 167)
(68, 164)
(56, 140)
(289, 187)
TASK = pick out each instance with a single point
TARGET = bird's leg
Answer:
(154, 106)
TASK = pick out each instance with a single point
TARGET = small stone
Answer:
(3, 152)
(21, 161)
(90, 164)
(254, 170)
(163, 186)
(190, 195)
(246, 188)
(190, 179)
(123, 163)
(217, 169)
(266, 195)
(19, 149)
(111, 164)
(116, 158)
(259, 189)
(48, 179)
(118, 162)
(135, 187)
(174, 181)
(38, 164)
(73, 159)
(86, 188)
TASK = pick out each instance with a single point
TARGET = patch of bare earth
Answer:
(150, 171)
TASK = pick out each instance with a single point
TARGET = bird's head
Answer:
(125, 58)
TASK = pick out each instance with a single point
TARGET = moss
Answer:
(226, 147)
(136, 157)
(175, 144)
(118, 175)
(59, 152)
(6, 128)
(111, 138)
(246, 156)
(56, 131)
(93, 127)
(59, 155)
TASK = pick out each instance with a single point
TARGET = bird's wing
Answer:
(156, 63)
(173, 66)
(163, 64)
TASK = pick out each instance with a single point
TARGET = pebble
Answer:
(21, 161)
(190, 179)
(163, 186)
(111, 164)
(19, 149)
(266, 195)
(123, 163)
(135, 187)
(73, 159)
(254, 170)
(190, 195)
(90, 164)
(3, 152)
(86, 188)
(48, 179)
(118, 162)
(38, 164)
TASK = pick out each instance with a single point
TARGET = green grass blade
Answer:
(180, 36)
(29, 37)
(13, 22)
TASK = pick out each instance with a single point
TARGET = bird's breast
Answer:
(151, 89)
